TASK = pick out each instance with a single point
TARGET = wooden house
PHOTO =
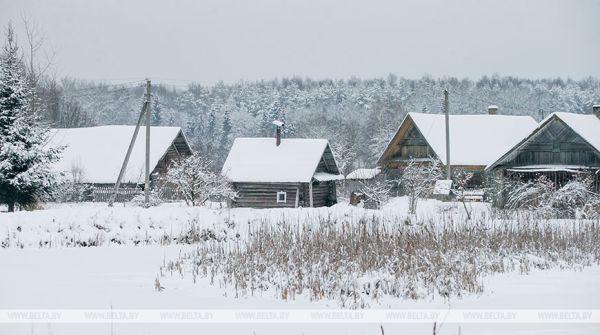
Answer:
(94, 156)
(564, 145)
(476, 140)
(272, 173)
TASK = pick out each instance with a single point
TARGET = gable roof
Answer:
(474, 139)
(260, 160)
(585, 125)
(100, 151)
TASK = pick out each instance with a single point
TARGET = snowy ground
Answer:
(122, 276)
(61, 225)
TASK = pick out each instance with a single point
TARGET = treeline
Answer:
(357, 116)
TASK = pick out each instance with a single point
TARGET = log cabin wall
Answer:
(324, 194)
(264, 195)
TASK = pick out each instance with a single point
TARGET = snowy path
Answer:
(71, 278)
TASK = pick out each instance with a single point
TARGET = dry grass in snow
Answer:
(360, 263)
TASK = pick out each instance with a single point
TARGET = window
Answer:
(281, 196)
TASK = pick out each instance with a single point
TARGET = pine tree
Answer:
(211, 130)
(225, 134)
(25, 173)
(156, 112)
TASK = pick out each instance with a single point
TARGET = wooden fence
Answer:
(104, 193)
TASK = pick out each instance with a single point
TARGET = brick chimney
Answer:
(492, 109)
(596, 110)
(279, 125)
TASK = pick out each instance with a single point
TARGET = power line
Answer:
(97, 92)
(101, 86)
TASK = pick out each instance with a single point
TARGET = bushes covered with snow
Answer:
(575, 199)
(197, 182)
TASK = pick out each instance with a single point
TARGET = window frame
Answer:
(284, 193)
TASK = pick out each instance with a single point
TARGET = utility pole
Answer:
(148, 110)
(145, 109)
(447, 112)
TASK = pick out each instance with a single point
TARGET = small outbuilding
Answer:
(290, 172)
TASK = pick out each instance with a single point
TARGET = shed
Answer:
(297, 172)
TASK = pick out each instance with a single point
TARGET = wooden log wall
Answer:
(264, 195)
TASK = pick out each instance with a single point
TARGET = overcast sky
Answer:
(212, 40)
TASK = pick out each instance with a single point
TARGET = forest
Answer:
(358, 116)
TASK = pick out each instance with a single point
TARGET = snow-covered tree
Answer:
(156, 115)
(25, 174)
(461, 181)
(376, 192)
(225, 142)
(197, 182)
(418, 179)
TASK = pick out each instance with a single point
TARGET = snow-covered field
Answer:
(41, 267)
(95, 224)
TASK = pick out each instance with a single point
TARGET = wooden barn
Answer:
(563, 146)
(270, 172)
(476, 140)
(94, 156)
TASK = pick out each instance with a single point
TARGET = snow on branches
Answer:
(418, 179)
(576, 198)
(197, 182)
(25, 173)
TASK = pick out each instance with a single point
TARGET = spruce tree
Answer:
(25, 173)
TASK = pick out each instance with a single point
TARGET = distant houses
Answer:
(564, 145)
(296, 172)
(275, 172)
(94, 156)
(475, 140)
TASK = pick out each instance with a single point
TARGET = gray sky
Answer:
(212, 40)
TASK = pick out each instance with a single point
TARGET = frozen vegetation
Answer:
(353, 257)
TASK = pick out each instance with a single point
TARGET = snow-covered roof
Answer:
(549, 168)
(261, 160)
(474, 139)
(363, 173)
(586, 125)
(325, 176)
(99, 151)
